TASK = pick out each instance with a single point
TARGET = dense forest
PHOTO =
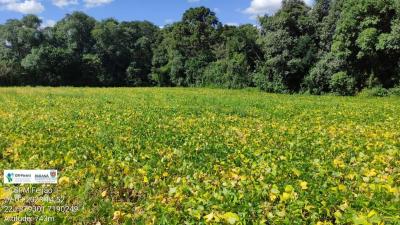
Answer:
(336, 46)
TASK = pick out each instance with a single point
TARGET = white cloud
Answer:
(64, 3)
(95, 3)
(25, 7)
(309, 2)
(6, 2)
(48, 23)
(261, 7)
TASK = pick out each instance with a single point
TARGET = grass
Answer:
(199, 156)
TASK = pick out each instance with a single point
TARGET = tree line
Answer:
(336, 46)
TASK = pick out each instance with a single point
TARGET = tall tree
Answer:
(237, 54)
(73, 35)
(327, 23)
(289, 48)
(126, 51)
(366, 38)
(190, 45)
(326, 13)
(18, 38)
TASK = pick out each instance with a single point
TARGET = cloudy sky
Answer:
(160, 12)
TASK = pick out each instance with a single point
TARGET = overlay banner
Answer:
(30, 176)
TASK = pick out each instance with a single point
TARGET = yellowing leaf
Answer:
(342, 187)
(372, 213)
(275, 189)
(289, 188)
(360, 220)
(231, 218)
(370, 173)
(285, 196)
(71, 162)
(344, 206)
(324, 223)
(272, 196)
(303, 185)
(309, 207)
(117, 215)
(5, 194)
(141, 171)
(209, 217)
(351, 176)
(338, 163)
(338, 214)
(296, 172)
(281, 213)
(64, 180)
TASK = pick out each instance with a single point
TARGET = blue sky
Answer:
(160, 12)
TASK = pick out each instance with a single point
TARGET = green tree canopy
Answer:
(366, 38)
(288, 42)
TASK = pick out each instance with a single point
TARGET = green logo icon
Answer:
(10, 177)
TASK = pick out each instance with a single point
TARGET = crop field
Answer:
(205, 156)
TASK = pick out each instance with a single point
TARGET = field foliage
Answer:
(205, 156)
